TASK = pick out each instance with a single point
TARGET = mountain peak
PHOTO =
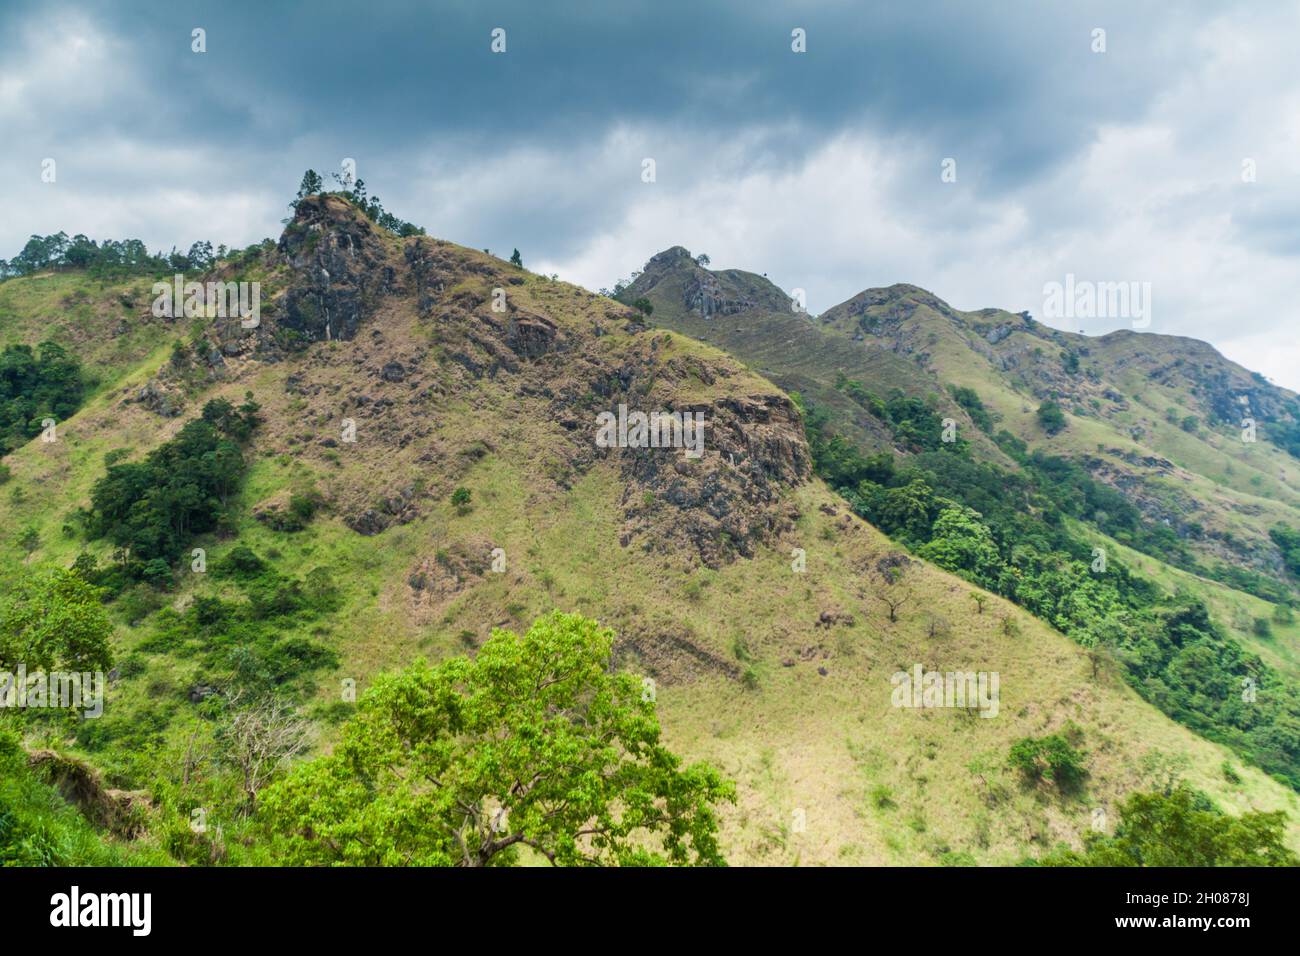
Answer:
(671, 256)
(678, 275)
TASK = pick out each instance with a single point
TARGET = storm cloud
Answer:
(1169, 158)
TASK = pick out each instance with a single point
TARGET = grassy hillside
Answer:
(1158, 417)
(781, 677)
(1070, 472)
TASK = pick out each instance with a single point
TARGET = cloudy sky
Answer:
(1173, 157)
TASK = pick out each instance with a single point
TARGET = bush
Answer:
(1051, 417)
(241, 562)
(1051, 758)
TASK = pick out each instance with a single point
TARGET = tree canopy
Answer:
(34, 385)
(54, 621)
(533, 743)
(1181, 828)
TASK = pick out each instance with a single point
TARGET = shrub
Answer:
(1050, 757)
(1051, 417)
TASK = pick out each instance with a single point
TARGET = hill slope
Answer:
(780, 674)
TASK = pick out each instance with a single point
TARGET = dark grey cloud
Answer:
(820, 168)
(1014, 83)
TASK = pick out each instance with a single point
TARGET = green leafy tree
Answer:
(909, 509)
(1050, 757)
(960, 542)
(29, 540)
(54, 621)
(1181, 828)
(644, 306)
(516, 259)
(532, 743)
(34, 385)
(152, 508)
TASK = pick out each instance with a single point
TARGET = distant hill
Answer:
(1157, 417)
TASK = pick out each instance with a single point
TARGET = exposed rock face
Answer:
(998, 333)
(121, 812)
(531, 336)
(344, 267)
(726, 501)
(343, 279)
(706, 296)
(709, 294)
(157, 396)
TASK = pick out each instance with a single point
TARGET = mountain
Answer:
(1157, 417)
(748, 316)
(1150, 456)
(424, 467)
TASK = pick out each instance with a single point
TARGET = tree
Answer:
(1051, 417)
(1182, 828)
(461, 498)
(961, 542)
(54, 621)
(258, 739)
(909, 508)
(311, 184)
(29, 540)
(34, 385)
(532, 743)
(702, 260)
(893, 594)
(980, 599)
(200, 255)
(516, 259)
(644, 306)
(152, 508)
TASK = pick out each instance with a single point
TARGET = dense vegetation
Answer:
(54, 621)
(1182, 828)
(39, 828)
(914, 424)
(1285, 433)
(36, 385)
(153, 508)
(1006, 532)
(110, 259)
